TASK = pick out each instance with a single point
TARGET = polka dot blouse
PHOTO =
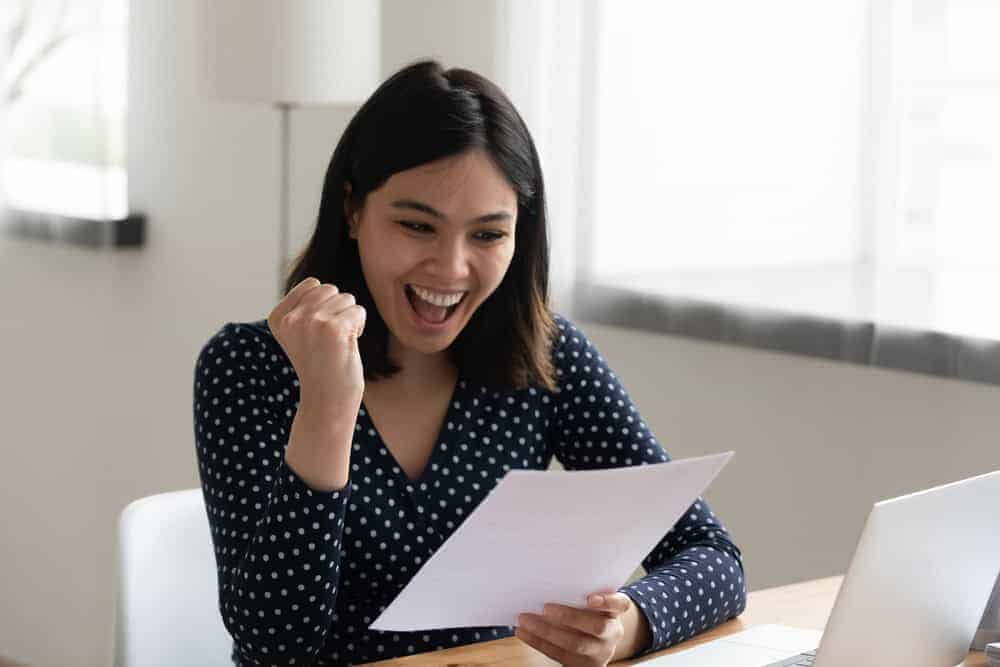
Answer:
(303, 573)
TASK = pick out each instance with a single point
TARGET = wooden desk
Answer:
(804, 605)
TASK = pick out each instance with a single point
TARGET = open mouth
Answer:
(430, 313)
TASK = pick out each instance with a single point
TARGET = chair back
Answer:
(989, 626)
(168, 606)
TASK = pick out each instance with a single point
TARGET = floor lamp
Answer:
(290, 53)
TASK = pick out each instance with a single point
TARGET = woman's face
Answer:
(436, 233)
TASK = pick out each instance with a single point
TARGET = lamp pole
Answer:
(279, 52)
(283, 234)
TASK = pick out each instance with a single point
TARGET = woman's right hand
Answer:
(318, 326)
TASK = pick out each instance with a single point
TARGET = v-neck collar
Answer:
(408, 484)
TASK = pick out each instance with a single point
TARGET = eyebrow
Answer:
(414, 205)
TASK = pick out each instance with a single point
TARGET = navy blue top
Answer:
(303, 573)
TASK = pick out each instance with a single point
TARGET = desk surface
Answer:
(804, 605)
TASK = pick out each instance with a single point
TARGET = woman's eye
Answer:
(421, 228)
(490, 236)
(414, 226)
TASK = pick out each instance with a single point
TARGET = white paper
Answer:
(758, 646)
(548, 536)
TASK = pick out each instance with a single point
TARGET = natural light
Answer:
(65, 113)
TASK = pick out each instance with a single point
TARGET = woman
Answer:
(412, 362)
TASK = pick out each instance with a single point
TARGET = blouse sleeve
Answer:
(277, 541)
(694, 577)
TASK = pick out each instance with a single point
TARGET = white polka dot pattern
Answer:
(302, 574)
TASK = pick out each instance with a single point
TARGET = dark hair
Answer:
(420, 114)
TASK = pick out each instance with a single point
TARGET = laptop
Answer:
(916, 588)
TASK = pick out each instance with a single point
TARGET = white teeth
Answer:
(443, 300)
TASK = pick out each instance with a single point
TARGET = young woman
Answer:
(412, 362)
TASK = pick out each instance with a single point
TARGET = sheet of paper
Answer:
(761, 645)
(548, 536)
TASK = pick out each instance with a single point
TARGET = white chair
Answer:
(989, 627)
(168, 611)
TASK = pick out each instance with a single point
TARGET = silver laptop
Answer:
(919, 580)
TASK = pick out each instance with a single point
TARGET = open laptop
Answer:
(916, 588)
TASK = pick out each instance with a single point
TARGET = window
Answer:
(829, 158)
(727, 134)
(948, 76)
(64, 104)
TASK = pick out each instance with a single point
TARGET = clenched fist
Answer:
(318, 326)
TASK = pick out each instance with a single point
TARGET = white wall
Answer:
(98, 347)
(98, 350)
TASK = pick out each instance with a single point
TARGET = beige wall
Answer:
(98, 348)
(816, 442)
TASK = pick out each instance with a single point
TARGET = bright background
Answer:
(716, 141)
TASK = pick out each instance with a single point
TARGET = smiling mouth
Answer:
(428, 312)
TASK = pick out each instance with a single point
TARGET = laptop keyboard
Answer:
(801, 660)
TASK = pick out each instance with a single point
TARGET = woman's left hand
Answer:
(574, 636)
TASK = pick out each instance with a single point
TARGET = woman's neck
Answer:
(419, 370)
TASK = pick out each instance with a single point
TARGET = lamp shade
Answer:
(290, 51)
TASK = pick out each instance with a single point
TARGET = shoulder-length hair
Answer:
(420, 114)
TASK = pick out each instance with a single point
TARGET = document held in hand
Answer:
(548, 536)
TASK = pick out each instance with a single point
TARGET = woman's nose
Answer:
(451, 261)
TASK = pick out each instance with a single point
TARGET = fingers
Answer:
(310, 297)
(342, 307)
(558, 642)
(310, 300)
(356, 317)
(568, 634)
(557, 653)
(593, 623)
(290, 301)
(613, 603)
(332, 303)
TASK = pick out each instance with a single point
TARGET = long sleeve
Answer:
(277, 542)
(694, 577)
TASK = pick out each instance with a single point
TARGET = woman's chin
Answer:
(422, 344)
